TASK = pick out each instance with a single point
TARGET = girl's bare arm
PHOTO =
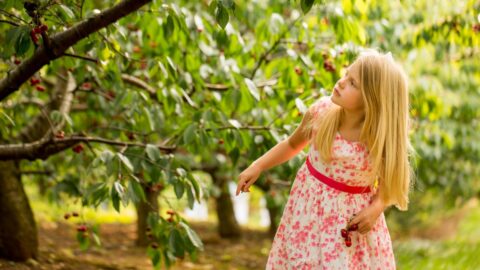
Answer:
(278, 154)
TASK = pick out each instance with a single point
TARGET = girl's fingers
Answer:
(239, 186)
(246, 186)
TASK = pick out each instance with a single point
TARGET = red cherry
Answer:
(110, 95)
(66, 216)
(325, 21)
(354, 227)
(136, 49)
(34, 81)
(328, 66)
(348, 242)
(298, 70)
(131, 136)
(43, 28)
(17, 61)
(476, 28)
(33, 36)
(40, 88)
(60, 134)
(78, 148)
(344, 233)
(86, 86)
(81, 228)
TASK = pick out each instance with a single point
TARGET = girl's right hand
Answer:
(247, 178)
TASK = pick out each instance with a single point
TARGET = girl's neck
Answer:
(352, 119)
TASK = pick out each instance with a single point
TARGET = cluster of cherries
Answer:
(346, 234)
(38, 31)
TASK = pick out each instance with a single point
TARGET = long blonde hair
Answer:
(385, 129)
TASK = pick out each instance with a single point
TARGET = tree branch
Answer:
(47, 172)
(48, 146)
(64, 40)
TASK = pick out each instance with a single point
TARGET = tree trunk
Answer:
(143, 208)
(18, 232)
(273, 213)
(227, 223)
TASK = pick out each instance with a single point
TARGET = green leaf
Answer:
(11, 40)
(221, 38)
(197, 242)
(152, 152)
(96, 239)
(119, 188)
(151, 124)
(227, 3)
(190, 198)
(125, 161)
(168, 27)
(252, 88)
(155, 256)
(137, 190)
(176, 243)
(66, 12)
(115, 199)
(195, 185)
(23, 41)
(179, 188)
(306, 5)
(222, 16)
(84, 241)
(189, 134)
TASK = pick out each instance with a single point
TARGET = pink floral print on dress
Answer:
(308, 236)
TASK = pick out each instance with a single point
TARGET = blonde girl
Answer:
(357, 166)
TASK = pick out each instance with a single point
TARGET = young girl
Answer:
(358, 165)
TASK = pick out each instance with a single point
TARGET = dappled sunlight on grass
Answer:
(459, 253)
(46, 211)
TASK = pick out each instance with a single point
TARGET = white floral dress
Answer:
(308, 236)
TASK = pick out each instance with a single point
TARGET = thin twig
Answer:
(9, 22)
(263, 57)
(82, 57)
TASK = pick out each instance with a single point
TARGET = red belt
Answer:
(334, 184)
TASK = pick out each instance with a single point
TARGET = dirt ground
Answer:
(59, 250)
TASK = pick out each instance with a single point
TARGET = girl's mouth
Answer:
(335, 90)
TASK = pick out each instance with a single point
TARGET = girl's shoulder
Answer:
(320, 106)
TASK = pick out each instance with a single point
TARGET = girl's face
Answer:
(347, 92)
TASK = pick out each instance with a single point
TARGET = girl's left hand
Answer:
(366, 218)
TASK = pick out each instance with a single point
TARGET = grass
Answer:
(462, 252)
